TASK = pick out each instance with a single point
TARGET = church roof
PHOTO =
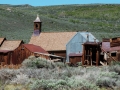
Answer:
(52, 41)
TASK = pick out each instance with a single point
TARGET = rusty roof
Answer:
(1, 40)
(75, 54)
(52, 41)
(34, 48)
(106, 47)
(10, 45)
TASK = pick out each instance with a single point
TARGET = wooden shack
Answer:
(10, 52)
(75, 57)
(91, 53)
(111, 52)
(32, 50)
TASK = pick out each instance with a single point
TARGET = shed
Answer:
(91, 53)
(30, 49)
(75, 44)
(10, 52)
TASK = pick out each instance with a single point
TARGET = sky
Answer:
(57, 2)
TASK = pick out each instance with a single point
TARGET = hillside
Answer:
(16, 21)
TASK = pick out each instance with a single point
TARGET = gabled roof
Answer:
(10, 45)
(2, 40)
(84, 35)
(34, 48)
(52, 41)
(90, 36)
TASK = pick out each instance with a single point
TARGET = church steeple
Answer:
(37, 26)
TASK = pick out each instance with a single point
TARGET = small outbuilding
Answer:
(10, 52)
(31, 50)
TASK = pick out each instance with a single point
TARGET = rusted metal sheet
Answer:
(34, 48)
(107, 48)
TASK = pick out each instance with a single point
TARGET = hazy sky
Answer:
(57, 2)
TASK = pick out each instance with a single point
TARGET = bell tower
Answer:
(37, 26)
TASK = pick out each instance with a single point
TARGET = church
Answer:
(60, 43)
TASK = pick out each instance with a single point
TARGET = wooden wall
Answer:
(75, 59)
(58, 53)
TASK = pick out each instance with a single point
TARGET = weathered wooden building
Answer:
(112, 50)
(10, 52)
(74, 47)
(32, 50)
(91, 53)
(53, 42)
(14, 52)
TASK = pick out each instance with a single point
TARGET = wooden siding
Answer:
(58, 53)
(75, 59)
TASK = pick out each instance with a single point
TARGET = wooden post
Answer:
(83, 57)
(97, 58)
(91, 58)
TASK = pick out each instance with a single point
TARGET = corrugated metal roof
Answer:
(90, 36)
(75, 54)
(34, 48)
(52, 41)
(106, 47)
(10, 45)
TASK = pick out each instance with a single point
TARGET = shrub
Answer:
(106, 82)
(20, 79)
(115, 68)
(39, 62)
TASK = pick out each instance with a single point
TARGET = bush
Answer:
(115, 68)
(39, 62)
(106, 82)
(20, 79)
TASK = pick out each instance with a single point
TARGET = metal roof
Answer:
(106, 47)
(34, 48)
(90, 36)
